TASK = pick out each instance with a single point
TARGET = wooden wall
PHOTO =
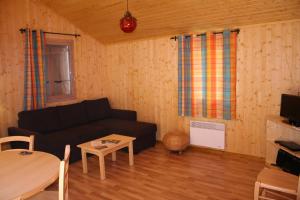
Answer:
(15, 14)
(142, 75)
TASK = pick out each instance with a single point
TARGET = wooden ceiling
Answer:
(100, 18)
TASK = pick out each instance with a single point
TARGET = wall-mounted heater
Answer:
(207, 134)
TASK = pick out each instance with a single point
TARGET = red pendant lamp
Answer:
(128, 23)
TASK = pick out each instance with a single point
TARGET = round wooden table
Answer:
(26, 175)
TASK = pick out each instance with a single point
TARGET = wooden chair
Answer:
(62, 193)
(29, 139)
(276, 183)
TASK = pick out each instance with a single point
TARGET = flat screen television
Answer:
(290, 108)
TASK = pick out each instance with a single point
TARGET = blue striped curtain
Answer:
(184, 74)
(207, 75)
(34, 75)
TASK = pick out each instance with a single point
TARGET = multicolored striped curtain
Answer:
(34, 77)
(207, 75)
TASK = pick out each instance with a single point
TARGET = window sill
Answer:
(57, 101)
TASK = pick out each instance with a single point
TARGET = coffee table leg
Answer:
(84, 161)
(114, 156)
(130, 154)
(102, 167)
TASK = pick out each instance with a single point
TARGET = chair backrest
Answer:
(298, 190)
(63, 193)
(29, 139)
(67, 153)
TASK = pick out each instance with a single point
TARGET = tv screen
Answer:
(290, 107)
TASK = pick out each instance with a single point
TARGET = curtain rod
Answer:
(219, 32)
(22, 30)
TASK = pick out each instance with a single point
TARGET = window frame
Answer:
(70, 43)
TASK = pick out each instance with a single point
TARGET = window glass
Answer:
(59, 76)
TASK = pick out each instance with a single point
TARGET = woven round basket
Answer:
(176, 141)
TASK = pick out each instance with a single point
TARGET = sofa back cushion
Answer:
(42, 120)
(72, 115)
(97, 109)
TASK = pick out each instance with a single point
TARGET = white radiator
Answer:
(207, 134)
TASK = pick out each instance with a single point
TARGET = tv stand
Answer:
(293, 153)
(278, 129)
(295, 123)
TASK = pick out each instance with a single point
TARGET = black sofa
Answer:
(54, 127)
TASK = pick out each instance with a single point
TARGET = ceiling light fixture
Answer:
(128, 22)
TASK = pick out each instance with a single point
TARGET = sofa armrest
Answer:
(40, 142)
(14, 131)
(124, 114)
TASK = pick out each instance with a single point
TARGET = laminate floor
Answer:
(158, 174)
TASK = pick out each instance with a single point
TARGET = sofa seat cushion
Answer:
(126, 127)
(42, 120)
(72, 115)
(76, 135)
(56, 141)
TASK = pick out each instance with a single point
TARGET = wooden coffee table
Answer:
(87, 147)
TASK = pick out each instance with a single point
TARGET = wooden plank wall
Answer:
(142, 75)
(15, 14)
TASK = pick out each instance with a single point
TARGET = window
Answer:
(59, 70)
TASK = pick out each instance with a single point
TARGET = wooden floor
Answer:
(157, 174)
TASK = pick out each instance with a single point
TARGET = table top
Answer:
(25, 175)
(123, 141)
